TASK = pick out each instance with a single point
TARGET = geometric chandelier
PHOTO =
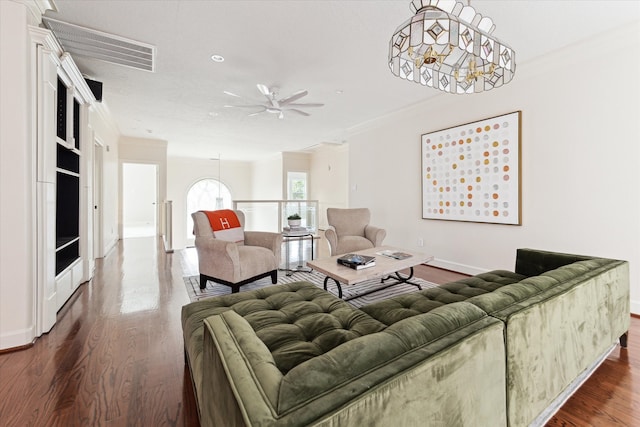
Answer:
(448, 46)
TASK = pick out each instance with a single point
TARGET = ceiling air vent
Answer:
(106, 47)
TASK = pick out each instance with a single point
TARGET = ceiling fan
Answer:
(275, 105)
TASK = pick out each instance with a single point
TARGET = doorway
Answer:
(98, 234)
(139, 200)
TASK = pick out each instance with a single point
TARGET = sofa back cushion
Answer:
(395, 309)
(349, 222)
(356, 366)
(533, 262)
(519, 296)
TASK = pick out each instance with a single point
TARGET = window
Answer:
(207, 194)
(297, 185)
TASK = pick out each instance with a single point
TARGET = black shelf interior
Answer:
(67, 179)
(76, 123)
(63, 240)
(66, 256)
(67, 219)
(68, 160)
(61, 113)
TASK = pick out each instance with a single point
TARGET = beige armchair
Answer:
(349, 231)
(235, 264)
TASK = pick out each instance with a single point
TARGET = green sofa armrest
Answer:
(557, 324)
(240, 379)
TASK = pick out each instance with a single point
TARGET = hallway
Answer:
(115, 356)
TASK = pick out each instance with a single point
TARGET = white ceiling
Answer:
(321, 46)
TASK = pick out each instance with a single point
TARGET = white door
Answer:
(98, 248)
(139, 199)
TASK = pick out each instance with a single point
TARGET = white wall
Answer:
(329, 178)
(107, 134)
(17, 183)
(183, 173)
(267, 178)
(580, 157)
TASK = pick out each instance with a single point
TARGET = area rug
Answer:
(348, 291)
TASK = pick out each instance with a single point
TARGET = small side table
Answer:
(287, 238)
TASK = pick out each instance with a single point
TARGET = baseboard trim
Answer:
(456, 267)
(635, 307)
(17, 340)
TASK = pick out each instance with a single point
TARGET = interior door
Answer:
(98, 226)
(139, 200)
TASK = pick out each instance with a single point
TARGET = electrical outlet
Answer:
(420, 242)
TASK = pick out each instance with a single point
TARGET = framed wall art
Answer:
(471, 172)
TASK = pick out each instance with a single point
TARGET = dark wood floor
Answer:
(115, 356)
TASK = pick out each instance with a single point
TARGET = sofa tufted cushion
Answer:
(355, 368)
(519, 296)
(296, 321)
(401, 307)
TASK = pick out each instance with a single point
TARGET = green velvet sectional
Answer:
(500, 348)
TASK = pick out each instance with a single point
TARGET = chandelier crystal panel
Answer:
(448, 46)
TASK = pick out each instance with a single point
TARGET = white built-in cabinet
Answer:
(63, 149)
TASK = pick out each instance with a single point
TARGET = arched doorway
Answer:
(207, 194)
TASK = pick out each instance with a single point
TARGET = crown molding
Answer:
(71, 75)
(101, 109)
(79, 83)
(47, 39)
(38, 7)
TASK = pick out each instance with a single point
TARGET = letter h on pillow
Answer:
(226, 225)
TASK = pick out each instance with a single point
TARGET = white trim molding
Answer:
(38, 7)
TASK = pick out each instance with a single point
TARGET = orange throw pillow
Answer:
(226, 225)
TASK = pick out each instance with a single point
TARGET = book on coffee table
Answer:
(356, 261)
(395, 254)
(358, 266)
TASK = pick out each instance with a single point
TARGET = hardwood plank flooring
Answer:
(115, 356)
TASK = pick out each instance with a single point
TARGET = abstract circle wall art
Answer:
(471, 172)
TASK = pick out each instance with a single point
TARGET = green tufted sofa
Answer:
(500, 348)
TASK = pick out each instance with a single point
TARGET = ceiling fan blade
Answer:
(269, 94)
(245, 106)
(263, 89)
(302, 113)
(294, 97)
(256, 113)
(305, 104)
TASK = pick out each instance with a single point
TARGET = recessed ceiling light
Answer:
(217, 58)
(213, 114)
(339, 91)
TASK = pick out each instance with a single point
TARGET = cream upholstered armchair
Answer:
(349, 231)
(235, 264)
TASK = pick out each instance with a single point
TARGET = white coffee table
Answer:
(386, 268)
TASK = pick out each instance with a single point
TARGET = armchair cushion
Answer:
(349, 231)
